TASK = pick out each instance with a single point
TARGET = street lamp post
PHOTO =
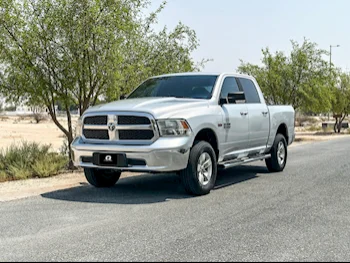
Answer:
(330, 63)
(330, 55)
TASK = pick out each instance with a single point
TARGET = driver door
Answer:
(236, 120)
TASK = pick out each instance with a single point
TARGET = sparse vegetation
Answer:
(302, 121)
(10, 108)
(51, 165)
(39, 117)
(314, 128)
(30, 160)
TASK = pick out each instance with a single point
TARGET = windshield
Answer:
(192, 87)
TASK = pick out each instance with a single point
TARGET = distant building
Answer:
(22, 109)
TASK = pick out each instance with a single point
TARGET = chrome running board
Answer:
(229, 164)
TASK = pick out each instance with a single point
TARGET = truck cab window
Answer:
(230, 85)
(250, 91)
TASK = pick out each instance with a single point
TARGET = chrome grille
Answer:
(123, 128)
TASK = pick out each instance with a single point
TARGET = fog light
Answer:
(183, 151)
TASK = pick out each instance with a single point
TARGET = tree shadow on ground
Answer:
(150, 188)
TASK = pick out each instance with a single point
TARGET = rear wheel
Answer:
(102, 178)
(200, 175)
(279, 154)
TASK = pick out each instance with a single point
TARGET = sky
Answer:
(230, 30)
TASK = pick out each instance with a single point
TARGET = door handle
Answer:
(265, 113)
(244, 113)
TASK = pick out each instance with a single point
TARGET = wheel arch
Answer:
(208, 135)
(282, 129)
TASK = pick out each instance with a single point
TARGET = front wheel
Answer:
(200, 175)
(102, 178)
(279, 154)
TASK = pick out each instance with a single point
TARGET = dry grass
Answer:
(28, 160)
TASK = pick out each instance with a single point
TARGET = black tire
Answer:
(101, 178)
(190, 176)
(274, 163)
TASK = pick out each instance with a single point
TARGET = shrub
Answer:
(38, 117)
(3, 176)
(10, 108)
(29, 160)
(51, 165)
(305, 120)
(19, 172)
(314, 128)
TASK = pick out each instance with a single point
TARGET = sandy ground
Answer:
(15, 130)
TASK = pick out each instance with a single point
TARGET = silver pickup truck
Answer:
(192, 123)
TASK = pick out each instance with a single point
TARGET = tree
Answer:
(75, 52)
(341, 101)
(302, 78)
(155, 53)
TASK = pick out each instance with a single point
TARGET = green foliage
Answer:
(19, 172)
(72, 52)
(302, 78)
(341, 100)
(49, 166)
(3, 176)
(10, 108)
(29, 160)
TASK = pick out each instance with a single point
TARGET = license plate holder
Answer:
(110, 159)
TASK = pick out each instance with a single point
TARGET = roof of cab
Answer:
(204, 74)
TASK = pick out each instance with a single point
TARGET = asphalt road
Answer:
(302, 214)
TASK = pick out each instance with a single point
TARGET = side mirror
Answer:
(234, 98)
(122, 97)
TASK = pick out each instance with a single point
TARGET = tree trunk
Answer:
(336, 125)
(70, 138)
(341, 120)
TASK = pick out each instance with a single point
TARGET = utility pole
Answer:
(330, 55)
(330, 63)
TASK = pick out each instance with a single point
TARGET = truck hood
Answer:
(160, 108)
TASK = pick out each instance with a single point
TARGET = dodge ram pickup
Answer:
(193, 124)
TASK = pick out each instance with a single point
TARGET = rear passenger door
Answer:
(259, 119)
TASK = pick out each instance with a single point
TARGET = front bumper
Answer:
(164, 155)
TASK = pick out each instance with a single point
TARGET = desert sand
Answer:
(18, 129)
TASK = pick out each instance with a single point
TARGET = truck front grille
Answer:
(96, 134)
(136, 135)
(125, 128)
(96, 120)
(133, 120)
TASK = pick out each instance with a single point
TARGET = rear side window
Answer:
(230, 85)
(250, 91)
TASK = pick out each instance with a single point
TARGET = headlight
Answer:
(79, 127)
(174, 128)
